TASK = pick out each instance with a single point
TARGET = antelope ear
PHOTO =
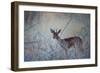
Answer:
(59, 31)
(52, 31)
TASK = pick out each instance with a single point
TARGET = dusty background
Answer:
(38, 40)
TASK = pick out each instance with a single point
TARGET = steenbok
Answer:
(66, 43)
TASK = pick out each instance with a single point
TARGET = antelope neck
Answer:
(58, 38)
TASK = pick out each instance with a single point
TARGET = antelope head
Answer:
(55, 33)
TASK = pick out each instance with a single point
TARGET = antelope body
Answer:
(67, 43)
